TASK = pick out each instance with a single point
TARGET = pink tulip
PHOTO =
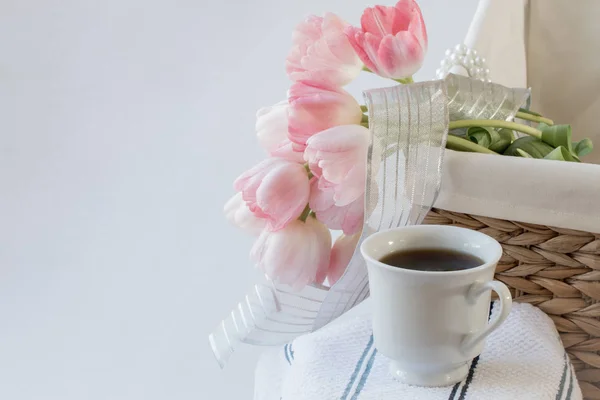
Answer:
(341, 253)
(338, 156)
(272, 132)
(313, 109)
(322, 54)
(393, 40)
(296, 255)
(348, 218)
(275, 189)
(238, 213)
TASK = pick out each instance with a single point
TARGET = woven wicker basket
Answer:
(557, 270)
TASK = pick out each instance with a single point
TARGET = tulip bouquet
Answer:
(317, 139)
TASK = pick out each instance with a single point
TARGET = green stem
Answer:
(460, 144)
(304, 214)
(364, 108)
(310, 174)
(404, 81)
(365, 118)
(493, 123)
(534, 118)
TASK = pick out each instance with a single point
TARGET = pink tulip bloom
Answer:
(313, 109)
(341, 253)
(238, 213)
(276, 189)
(296, 255)
(272, 132)
(338, 156)
(392, 41)
(322, 54)
(348, 218)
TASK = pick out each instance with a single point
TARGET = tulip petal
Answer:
(401, 55)
(341, 254)
(296, 255)
(283, 194)
(321, 53)
(393, 40)
(339, 156)
(348, 218)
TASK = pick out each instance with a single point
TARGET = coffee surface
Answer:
(432, 260)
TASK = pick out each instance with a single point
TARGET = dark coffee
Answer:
(432, 260)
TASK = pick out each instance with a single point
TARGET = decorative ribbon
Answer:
(409, 127)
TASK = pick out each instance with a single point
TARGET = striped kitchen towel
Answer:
(522, 360)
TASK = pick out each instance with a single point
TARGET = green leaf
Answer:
(495, 140)
(561, 154)
(583, 147)
(557, 135)
(523, 153)
(530, 145)
(480, 135)
(505, 138)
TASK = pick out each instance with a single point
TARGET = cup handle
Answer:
(476, 290)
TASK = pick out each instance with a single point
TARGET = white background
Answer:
(122, 126)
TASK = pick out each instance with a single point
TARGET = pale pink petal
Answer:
(339, 156)
(271, 125)
(296, 255)
(286, 150)
(276, 189)
(417, 27)
(371, 47)
(400, 55)
(348, 218)
(283, 194)
(254, 175)
(374, 20)
(321, 53)
(322, 243)
(341, 254)
(238, 213)
(272, 132)
(313, 109)
(393, 40)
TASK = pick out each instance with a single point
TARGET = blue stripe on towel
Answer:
(357, 369)
(570, 391)
(561, 387)
(471, 372)
(365, 375)
(287, 357)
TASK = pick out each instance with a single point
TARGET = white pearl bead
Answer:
(489, 80)
(477, 60)
(461, 48)
(444, 62)
(448, 52)
(468, 61)
(471, 52)
(471, 72)
(482, 60)
(478, 71)
(453, 57)
(486, 71)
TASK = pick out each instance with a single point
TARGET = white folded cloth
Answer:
(523, 359)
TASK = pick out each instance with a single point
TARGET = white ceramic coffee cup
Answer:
(432, 324)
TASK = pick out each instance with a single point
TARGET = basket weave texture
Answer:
(555, 269)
